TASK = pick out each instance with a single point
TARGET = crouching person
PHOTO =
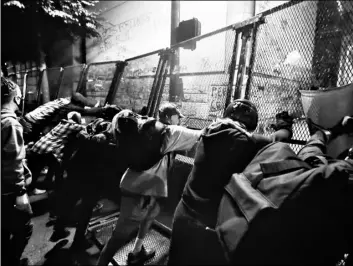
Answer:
(226, 147)
(150, 147)
(16, 226)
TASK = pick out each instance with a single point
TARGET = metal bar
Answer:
(161, 90)
(155, 81)
(252, 59)
(120, 66)
(83, 79)
(263, 75)
(158, 83)
(61, 77)
(184, 74)
(280, 7)
(82, 76)
(104, 62)
(39, 85)
(232, 70)
(242, 66)
(233, 26)
(24, 88)
(144, 55)
(162, 227)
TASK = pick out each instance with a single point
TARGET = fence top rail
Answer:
(280, 7)
(54, 68)
(144, 55)
(26, 71)
(234, 26)
(105, 62)
(79, 65)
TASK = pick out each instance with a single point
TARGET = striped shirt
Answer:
(44, 111)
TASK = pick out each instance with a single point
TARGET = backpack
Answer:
(144, 149)
(282, 211)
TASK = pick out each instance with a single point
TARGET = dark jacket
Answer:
(224, 149)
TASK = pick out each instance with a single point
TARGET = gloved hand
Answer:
(283, 121)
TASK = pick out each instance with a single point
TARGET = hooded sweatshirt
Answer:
(14, 172)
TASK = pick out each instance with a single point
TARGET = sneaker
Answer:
(141, 257)
(37, 191)
(59, 234)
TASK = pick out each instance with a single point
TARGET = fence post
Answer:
(231, 70)
(174, 58)
(120, 66)
(252, 57)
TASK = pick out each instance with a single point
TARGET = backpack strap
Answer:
(279, 167)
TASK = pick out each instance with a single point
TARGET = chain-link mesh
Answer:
(154, 240)
(19, 79)
(53, 76)
(299, 47)
(98, 80)
(204, 73)
(136, 83)
(32, 90)
(70, 80)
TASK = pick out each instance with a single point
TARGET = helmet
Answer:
(243, 111)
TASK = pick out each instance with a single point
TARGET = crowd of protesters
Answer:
(131, 154)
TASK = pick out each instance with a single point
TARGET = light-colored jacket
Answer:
(153, 182)
(14, 172)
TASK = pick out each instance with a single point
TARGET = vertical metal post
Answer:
(39, 85)
(154, 85)
(252, 58)
(174, 57)
(242, 66)
(120, 66)
(24, 91)
(231, 70)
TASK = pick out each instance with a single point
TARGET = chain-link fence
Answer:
(301, 46)
(99, 79)
(72, 76)
(32, 89)
(202, 78)
(51, 79)
(136, 82)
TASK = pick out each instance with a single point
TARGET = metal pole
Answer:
(174, 57)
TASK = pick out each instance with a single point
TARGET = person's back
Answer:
(226, 147)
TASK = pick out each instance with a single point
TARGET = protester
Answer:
(94, 169)
(51, 149)
(16, 227)
(226, 147)
(144, 184)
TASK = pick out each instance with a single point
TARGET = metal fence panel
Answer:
(97, 80)
(53, 76)
(205, 77)
(70, 81)
(136, 82)
(33, 78)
